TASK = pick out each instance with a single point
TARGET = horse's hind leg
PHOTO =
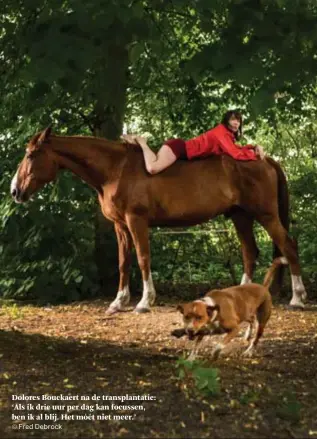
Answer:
(288, 247)
(243, 223)
(124, 246)
(139, 230)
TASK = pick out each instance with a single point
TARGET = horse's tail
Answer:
(283, 211)
(283, 197)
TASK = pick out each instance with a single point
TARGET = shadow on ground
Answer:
(77, 350)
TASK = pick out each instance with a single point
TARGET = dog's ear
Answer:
(213, 311)
(180, 308)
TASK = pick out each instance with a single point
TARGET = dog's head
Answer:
(198, 314)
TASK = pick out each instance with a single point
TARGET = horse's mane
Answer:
(102, 141)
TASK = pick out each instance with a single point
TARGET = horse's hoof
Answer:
(304, 296)
(152, 301)
(141, 310)
(295, 307)
(112, 310)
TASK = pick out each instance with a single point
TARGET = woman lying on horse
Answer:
(218, 140)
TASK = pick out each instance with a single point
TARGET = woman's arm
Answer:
(237, 152)
(249, 146)
(259, 151)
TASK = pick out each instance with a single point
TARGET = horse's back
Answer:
(190, 192)
(186, 193)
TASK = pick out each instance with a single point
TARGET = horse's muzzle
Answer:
(18, 195)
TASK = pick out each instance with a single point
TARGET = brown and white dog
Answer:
(226, 309)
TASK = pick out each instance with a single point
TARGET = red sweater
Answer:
(219, 140)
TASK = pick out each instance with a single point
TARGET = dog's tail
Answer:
(270, 273)
(263, 314)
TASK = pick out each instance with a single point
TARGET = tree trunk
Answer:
(108, 122)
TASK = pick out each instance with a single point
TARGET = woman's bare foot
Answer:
(129, 138)
(134, 139)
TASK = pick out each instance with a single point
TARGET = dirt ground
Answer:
(77, 349)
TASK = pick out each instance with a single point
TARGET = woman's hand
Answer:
(259, 152)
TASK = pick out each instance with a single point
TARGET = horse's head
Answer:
(37, 168)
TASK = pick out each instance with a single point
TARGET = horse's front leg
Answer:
(244, 227)
(124, 246)
(139, 230)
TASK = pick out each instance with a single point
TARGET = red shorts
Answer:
(178, 146)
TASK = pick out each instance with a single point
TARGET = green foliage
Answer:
(266, 45)
(249, 397)
(42, 255)
(12, 310)
(206, 379)
(169, 69)
(208, 253)
(290, 408)
(294, 145)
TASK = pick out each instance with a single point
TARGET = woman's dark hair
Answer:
(226, 118)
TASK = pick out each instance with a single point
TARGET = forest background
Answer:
(164, 68)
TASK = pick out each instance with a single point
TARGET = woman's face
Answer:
(234, 124)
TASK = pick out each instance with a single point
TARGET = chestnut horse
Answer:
(185, 194)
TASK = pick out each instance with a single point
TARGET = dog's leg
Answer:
(194, 352)
(248, 332)
(191, 356)
(249, 351)
(218, 348)
(262, 316)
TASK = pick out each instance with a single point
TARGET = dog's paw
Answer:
(248, 353)
(178, 333)
(191, 357)
(215, 353)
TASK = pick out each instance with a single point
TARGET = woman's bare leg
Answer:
(154, 163)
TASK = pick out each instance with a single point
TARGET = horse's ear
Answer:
(35, 139)
(40, 138)
(44, 136)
